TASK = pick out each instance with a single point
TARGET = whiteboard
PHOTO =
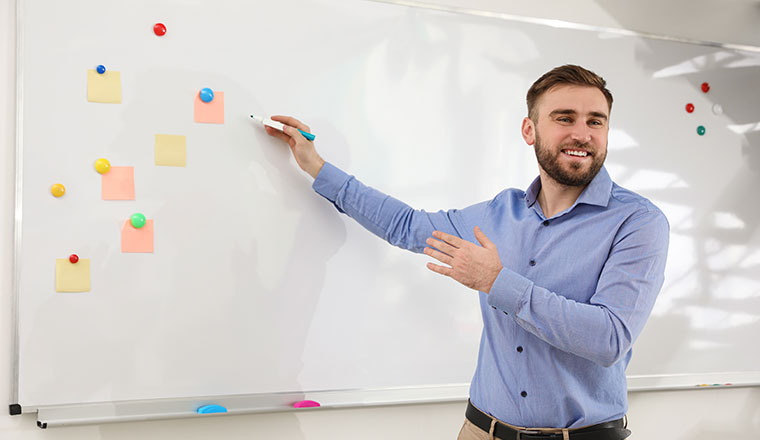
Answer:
(257, 286)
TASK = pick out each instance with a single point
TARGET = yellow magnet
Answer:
(58, 190)
(102, 166)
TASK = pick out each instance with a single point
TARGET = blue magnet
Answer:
(207, 94)
(211, 409)
(101, 69)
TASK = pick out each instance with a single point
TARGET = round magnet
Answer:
(701, 130)
(58, 190)
(73, 258)
(705, 87)
(137, 220)
(159, 29)
(717, 109)
(101, 69)
(102, 165)
(207, 94)
(690, 107)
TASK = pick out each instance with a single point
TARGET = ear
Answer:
(528, 131)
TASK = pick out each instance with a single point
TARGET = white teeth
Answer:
(577, 153)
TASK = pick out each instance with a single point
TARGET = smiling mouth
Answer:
(576, 153)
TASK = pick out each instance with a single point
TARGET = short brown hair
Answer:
(568, 74)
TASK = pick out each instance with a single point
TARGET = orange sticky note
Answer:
(137, 240)
(210, 112)
(72, 277)
(118, 184)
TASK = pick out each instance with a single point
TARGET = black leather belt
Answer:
(614, 430)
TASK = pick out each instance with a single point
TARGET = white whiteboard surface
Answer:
(257, 286)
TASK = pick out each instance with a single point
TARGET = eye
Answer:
(596, 122)
(565, 119)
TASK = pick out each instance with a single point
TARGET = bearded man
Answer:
(567, 272)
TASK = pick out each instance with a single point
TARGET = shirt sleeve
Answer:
(388, 218)
(604, 329)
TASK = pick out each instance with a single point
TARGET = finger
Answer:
(443, 270)
(440, 256)
(293, 133)
(293, 122)
(448, 238)
(443, 247)
(481, 237)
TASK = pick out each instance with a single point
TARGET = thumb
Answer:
(484, 241)
(292, 132)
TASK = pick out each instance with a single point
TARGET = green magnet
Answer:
(701, 130)
(138, 220)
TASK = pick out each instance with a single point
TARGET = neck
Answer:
(555, 197)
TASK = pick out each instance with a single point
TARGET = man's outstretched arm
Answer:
(388, 218)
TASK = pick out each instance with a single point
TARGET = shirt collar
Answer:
(596, 193)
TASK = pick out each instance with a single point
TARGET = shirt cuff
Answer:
(329, 181)
(510, 291)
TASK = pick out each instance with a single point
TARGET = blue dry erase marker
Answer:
(278, 126)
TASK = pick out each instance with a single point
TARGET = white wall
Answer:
(694, 415)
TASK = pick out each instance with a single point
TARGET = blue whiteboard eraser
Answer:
(211, 409)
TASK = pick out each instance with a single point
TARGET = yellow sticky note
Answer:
(137, 240)
(171, 150)
(209, 112)
(118, 184)
(104, 87)
(72, 277)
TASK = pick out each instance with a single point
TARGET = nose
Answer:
(581, 133)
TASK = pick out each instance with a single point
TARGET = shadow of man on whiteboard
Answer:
(567, 272)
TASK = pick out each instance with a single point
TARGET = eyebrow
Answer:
(567, 111)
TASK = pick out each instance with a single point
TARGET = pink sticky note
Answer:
(118, 184)
(306, 404)
(137, 240)
(210, 112)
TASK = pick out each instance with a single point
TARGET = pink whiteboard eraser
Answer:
(306, 404)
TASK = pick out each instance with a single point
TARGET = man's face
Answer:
(570, 134)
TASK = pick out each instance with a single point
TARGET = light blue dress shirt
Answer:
(575, 291)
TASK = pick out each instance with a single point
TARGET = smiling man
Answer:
(567, 271)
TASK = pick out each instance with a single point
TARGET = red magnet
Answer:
(74, 258)
(159, 29)
(705, 87)
(689, 107)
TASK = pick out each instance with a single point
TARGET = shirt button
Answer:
(524, 394)
(532, 262)
(519, 349)
(546, 223)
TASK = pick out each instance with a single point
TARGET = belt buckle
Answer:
(526, 431)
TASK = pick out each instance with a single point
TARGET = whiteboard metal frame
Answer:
(159, 409)
(18, 201)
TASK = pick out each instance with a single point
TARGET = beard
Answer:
(576, 176)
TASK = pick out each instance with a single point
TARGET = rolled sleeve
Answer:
(329, 181)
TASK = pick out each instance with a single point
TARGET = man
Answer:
(567, 271)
